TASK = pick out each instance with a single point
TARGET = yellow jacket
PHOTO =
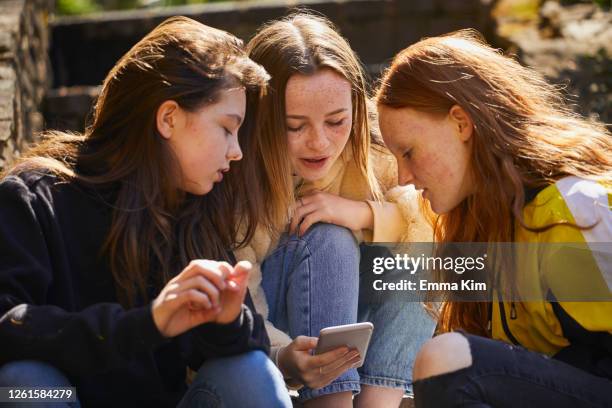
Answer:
(578, 332)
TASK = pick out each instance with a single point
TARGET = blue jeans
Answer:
(312, 282)
(29, 373)
(245, 380)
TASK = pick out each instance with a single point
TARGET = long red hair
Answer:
(524, 137)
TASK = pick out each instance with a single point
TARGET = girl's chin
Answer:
(439, 208)
(312, 174)
(199, 189)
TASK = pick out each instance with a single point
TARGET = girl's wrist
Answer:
(275, 352)
(292, 383)
(367, 216)
(277, 361)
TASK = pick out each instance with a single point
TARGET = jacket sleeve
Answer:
(88, 341)
(397, 218)
(576, 268)
(246, 333)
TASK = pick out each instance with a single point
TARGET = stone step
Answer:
(84, 48)
(68, 108)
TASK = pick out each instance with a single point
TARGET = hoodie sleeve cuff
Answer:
(139, 321)
(224, 333)
(389, 224)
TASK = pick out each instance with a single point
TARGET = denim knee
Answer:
(332, 239)
(331, 247)
(32, 373)
(245, 380)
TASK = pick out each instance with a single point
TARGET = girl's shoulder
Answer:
(576, 201)
(46, 190)
(27, 182)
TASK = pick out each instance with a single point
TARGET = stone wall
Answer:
(84, 49)
(24, 76)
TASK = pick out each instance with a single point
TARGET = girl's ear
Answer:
(463, 122)
(166, 118)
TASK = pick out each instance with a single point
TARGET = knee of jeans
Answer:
(31, 373)
(260, 381)
(265, 373)
(333, 240)
(255, 364)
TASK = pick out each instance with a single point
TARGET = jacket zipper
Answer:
(505, 323)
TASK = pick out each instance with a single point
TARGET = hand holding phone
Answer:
(354, 336)
(297, 363)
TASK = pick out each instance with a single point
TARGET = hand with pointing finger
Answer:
(232, 297)
(204, 292)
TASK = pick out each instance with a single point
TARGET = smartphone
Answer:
(354, 336)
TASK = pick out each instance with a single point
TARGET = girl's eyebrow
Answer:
(336, 112)
(327, 114)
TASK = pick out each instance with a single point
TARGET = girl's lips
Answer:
(314, 163)
(220, 174)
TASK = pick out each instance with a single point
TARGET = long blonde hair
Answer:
(525, 137)
(302, 43)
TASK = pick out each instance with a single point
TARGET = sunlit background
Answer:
(54, 54)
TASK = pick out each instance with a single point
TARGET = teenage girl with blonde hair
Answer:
(321, 162)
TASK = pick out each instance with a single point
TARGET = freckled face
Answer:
(430, 155)
(319, 117)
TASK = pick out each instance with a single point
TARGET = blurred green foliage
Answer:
(525, 9)
(72, 7)
(603, 3)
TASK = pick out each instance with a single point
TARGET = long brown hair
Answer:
(155, 229)
(525, 137)
(302, 43)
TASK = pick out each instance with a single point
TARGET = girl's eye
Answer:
(407, 154)
(227, 132)
(295, 129)
(336, 123)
